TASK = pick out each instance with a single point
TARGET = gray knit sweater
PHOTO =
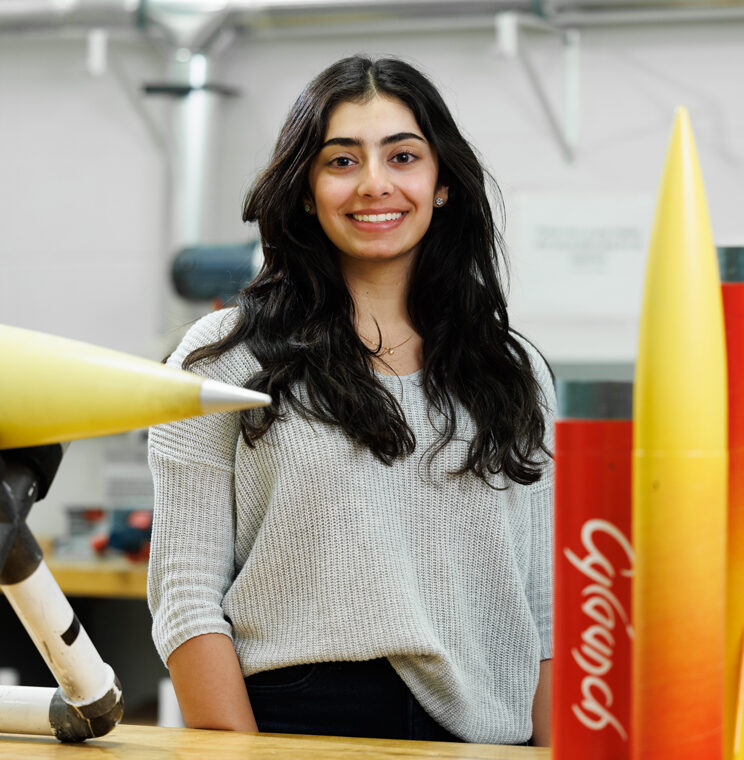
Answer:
(307, 548)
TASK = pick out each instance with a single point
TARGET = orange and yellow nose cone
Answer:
(680, 477)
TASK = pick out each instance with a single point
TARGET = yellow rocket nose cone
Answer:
(679, 476)
(681, 354)
(54, 389)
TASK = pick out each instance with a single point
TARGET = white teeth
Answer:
(377, 217)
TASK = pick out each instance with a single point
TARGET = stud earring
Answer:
(439, 201)
(308, 208)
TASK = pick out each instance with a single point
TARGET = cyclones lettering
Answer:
(604, 610)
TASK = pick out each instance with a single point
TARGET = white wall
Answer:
(83, 186)
(81, 196)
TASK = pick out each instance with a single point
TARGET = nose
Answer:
(374, 180)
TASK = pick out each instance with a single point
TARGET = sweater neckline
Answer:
(412, 376)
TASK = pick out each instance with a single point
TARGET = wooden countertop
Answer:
(116, 577)
(128, 742)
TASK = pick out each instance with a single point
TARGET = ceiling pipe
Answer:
(31, 15)
(635, 17)
(195, 23)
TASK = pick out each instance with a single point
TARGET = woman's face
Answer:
(374, 181)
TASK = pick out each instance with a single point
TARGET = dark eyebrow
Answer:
(400, 136)
(355, 142)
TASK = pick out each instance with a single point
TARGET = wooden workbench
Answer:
(150, 743)
(115, 578)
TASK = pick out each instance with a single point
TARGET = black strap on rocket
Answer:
(88, 702)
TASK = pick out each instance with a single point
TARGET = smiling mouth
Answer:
(377, 218)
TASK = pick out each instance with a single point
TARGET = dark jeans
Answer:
(365, 699)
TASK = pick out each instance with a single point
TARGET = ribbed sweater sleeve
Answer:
(193, 462)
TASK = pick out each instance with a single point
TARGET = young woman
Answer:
(371, 555)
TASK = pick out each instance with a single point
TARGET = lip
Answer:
(369, 211)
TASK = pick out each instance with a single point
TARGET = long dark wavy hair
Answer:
(297, 316)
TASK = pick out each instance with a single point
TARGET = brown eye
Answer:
(404, 158)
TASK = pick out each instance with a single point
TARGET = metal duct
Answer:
(193, 150)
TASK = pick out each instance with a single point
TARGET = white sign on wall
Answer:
(580, 256)
(578, 264)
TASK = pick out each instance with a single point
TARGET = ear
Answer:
(308, 205)
(443, 194)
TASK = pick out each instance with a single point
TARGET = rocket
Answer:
(732, 275)
(53, 389)
(680, 469)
